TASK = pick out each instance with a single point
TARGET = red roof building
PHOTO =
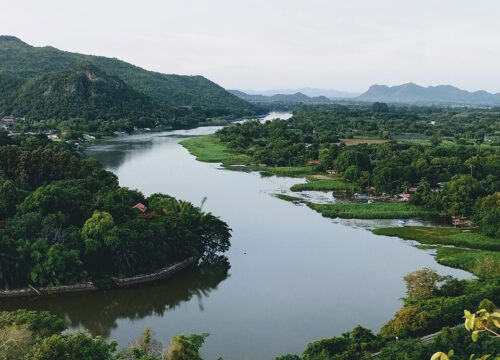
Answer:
(405, 197)
(311, 162)
(141, 207)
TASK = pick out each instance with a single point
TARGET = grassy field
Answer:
(210, 149)
(289, 171)
(442, 235)
(469, 260)
(325, 185)
(473, 252)
(351, 142)
(371, 211)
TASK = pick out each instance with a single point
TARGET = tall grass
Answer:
(209, 149)
(442, 235)
(325, 185)
(372, 211)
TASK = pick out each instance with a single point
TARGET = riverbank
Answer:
(465, 249)
(329, 184)
(381, 210)
(209, 149)
(136, 280)
(442, 235)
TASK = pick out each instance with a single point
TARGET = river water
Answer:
(294, 276)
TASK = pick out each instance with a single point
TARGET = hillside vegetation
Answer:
(161, 98)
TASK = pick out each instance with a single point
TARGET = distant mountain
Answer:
(411, 92)
(20, 61)
(82, 92)
(311, 92)
(295, 98)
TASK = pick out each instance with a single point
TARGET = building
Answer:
(141, 207)
(404, 197)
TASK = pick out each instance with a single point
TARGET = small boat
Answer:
(401, 222)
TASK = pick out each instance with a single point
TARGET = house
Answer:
(141, 207)
(8, 119)
(331, 171)
(404, 197)
(412, 190)
(313, 162)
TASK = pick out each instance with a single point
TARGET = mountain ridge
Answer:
(411, 92)
(295, 98)
(19, 60)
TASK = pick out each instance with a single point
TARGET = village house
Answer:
(404, 197)
(8, 119)
(141, 207)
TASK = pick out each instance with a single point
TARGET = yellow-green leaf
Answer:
(474, 335)
(440, 356)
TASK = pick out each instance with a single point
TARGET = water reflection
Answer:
(99, 311)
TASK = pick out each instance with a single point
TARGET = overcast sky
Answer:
(335, 44)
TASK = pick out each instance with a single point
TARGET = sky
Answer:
(267, 44)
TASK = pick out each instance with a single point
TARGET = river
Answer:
(294, 276)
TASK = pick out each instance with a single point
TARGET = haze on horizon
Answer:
(271, 44)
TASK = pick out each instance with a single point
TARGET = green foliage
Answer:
(288, 357)
(442, 235)
(40, 323)
(389, 210)
(210, 149)
(91, 93)
(424, 316)
(422, 284)
(469, 173)
(459, 194)
(186, 347)
(354, 345)
(325, 185)
(72, 346)
(73, 222)
(488, 215)
(481, 263)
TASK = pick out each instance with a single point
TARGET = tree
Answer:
(422, 284)
(380, 107)
(96, 229)
(488, 215)
(459, 194)
(80, 346)
(15, 342)
(479, 322)
(352, 173)
(186, 347)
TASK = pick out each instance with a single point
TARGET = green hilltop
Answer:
(42, 82)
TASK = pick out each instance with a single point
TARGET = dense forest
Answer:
(44, 83)
(64, 219)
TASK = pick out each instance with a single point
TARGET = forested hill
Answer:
(82, 92)
(21, 61)
(411, 92)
